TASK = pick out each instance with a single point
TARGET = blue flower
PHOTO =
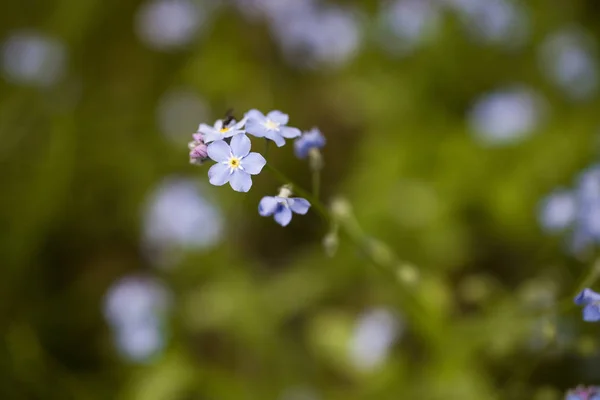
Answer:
(583, 393)
(235, 163)
(219, 132)
(272, 126)
(281, 207)
(591, 302)
(312, 139)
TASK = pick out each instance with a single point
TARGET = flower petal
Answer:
(231, 133)
(587, 296)
(254, 114)
(283, 216)
(240, 181)
(591, 312)
(276, 137)
(299, 205)
(253, 163)
(203, 128)
(279, 117)
(218, 125)
(240, 145)
(254, 127)
(219, 151)
(267, 206)
(219, 174)
(289, 132)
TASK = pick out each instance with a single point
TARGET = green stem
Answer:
(298, 189)
(316, 183)
(267, 141)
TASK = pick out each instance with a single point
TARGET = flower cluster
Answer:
(583, 393)
(228, 145)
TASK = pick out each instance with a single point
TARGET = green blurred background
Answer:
(125, 275)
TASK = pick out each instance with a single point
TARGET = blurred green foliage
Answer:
(266, 310)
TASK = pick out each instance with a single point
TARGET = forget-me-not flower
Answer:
(312, 139)
(272, 126)
(583, 393)
(220, 130)
(591, 302)
(235, 163)
(198, 149)
(281, 206)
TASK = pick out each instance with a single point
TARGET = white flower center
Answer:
(272, 125)
(234, 162)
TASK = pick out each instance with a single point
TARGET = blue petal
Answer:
(595, 397)
(299, 205)
(254, 114)
(203, 128)
(219, 174)
(240, 181)
(212, 137)
(290, 133)
(279, 117)
(253, 163)
(256, 128)
(591, 312)
(219, 151)
(572, 396)
(283, 216)
(276, 137)
(240, 145)
(267, 206)
(300, 148)
(587, 296)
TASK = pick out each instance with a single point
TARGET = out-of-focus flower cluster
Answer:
(577, 210)
(136, 308)
(227, 143)
(583, 393)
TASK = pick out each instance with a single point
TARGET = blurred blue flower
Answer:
(235, 163)
(591, 302)
(220, 132)
(558, 210)
(406, 24)
(272, 126)
(281, 207)
(312, 139)
(568, 60)
(136, 308)
(375, 332)
(578, 210)
(506, 116)
(583, 393)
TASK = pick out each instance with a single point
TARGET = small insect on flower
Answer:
(222, 129)
(591, 302)
(309, 140)
(198, 149)
(282, 206)
(235, 163)
(272, 126)
(583, 393)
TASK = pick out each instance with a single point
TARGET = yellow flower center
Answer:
(234, 162)
(271, 125)
(223, 130)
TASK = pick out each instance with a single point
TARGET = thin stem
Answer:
(316, 183)
(267, 142)
(298, 189)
